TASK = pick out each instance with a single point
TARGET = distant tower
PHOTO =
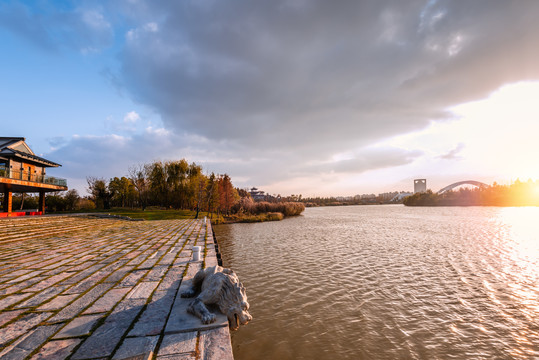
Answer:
(420, 185)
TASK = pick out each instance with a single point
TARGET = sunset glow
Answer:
(501, 131)
(491, 140)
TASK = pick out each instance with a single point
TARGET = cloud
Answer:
(84, 29)
(453, 154)
(356, 162)
(315, 77)
(56, 142)
(129, 125)
(94, 31)
(108, 156)
(131, 117)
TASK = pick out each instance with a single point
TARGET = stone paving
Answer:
(77, 287)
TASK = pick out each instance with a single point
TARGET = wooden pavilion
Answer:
(22, 171)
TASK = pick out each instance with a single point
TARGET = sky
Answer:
(319, 98)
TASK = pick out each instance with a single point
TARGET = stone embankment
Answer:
(74, 287)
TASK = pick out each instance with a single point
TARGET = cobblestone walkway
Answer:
(74, 287)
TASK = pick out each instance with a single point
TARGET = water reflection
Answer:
(520, 267)
(389, 282)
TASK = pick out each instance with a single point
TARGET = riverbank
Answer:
(83, 287)
(245, 216)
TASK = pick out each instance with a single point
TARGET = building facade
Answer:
(22, 171)
(420, 185)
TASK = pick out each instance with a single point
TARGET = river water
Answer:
(389, 282)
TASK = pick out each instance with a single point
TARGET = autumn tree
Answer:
(212, 194)
(227, 194)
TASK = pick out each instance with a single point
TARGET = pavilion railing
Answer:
(26, 176)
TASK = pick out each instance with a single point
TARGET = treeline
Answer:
(335, 201)
(65, 201)
(517, 194)
(171, 184)
(178, 185)
(166, 185)
(365, 199)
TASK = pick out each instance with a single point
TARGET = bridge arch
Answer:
(465, 182)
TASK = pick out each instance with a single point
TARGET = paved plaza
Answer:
(80, 287)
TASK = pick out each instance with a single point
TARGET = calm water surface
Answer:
(389, 282)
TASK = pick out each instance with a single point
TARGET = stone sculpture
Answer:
(221, 287)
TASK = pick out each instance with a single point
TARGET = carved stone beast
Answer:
(219, 286)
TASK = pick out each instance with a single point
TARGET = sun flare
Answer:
(500, 132)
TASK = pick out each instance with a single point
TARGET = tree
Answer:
(119, 190)
(55, 203)
(22, 200)
(227, 194)
(98, 189)
(243, 192)
(212, 194)
(158, 183)
(71, 198)
(192, 190)
(176, 175)
(200, 180)
(132, 195)
(138, 176)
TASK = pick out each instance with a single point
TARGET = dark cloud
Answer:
(346, 73)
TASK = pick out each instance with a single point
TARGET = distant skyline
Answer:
(294, 97)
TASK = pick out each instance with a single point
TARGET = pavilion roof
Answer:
(16, 147)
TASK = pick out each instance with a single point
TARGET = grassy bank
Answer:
(148, 214)
(171, 214)
(246, 218)
(189, 214)
(156, 214)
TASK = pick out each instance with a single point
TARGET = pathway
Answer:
(74, 287)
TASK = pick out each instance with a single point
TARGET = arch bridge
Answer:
(465, 182)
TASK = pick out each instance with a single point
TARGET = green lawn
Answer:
(153, 214)
(170, 214)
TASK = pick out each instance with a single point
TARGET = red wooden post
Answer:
(8, 201)
(42, 202)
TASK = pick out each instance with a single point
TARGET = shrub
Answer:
(85, 204)
(248, 206)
